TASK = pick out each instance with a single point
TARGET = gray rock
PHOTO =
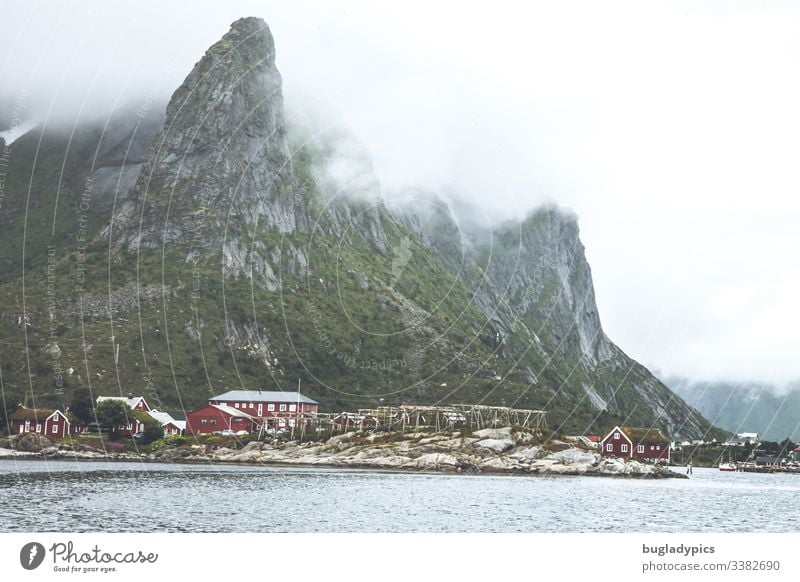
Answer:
(29, 442)
(575, 456)
(495, 445)
(493, 433)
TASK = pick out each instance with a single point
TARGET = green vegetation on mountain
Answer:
(178, 258)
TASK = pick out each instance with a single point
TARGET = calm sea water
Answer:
(79, 497)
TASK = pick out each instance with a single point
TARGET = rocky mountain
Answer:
(217, 247)
(745, 407)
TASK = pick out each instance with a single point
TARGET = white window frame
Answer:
(616, 436)
(293, 408)
(640, 448)
(270, 408)
(624, 448)
(283, 408)
(251, 405)
(236, 404)
(609, 447)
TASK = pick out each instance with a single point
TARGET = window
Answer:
(54, 430)
(213, 421)
(640, 449)
(236, 405)
(658, 447)
(609, 447)
(624, 448)
(652, 447)
(251, 405)
(293, 408)
(616, 436)
(283, 408)
(204, 421)
(271, 407)
(38, 427)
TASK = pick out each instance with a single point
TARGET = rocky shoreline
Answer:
(488, 451)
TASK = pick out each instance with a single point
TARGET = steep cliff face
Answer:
(532, 281)
(221, 162)
(236, 260)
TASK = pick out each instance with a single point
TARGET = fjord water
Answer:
(133, 497)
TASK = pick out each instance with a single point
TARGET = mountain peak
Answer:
(249, 37)
(223, 149)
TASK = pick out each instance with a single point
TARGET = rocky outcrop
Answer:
(493, 451)
(533, 283)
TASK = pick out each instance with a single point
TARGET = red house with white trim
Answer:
(44, 421)
(136, 404)
(133, 402)
(646, 444)
(277, 410)
(213, 418)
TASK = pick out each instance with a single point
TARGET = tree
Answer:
(111, 414)
(82, 405)
(153, 431)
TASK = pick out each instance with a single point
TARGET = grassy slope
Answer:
(350, 346)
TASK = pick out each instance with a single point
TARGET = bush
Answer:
(152, 432)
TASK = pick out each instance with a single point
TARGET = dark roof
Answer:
(176, 414)
(38, 414)
(767, 459)
(259, 396)
(644, 435)
(23, 413)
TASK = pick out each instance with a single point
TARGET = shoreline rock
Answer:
(490, 451)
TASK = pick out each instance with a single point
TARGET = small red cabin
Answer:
(213, 418)
(44, 421)
(647, 444)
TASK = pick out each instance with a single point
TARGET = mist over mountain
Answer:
(768, 410)
(215, 246)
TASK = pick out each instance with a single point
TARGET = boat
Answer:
(730, 465)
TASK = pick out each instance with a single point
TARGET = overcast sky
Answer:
(672, 129)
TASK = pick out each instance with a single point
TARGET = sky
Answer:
(670, 128)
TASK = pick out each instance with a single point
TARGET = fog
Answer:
(670, 129)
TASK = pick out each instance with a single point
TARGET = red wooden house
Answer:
(138, 405)
(213, 418)
(44, 421)
(647, 444)
(133, 402)
(277, 410)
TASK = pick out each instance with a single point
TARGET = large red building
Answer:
(627, 442)
(44, 421)
(276, 410)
